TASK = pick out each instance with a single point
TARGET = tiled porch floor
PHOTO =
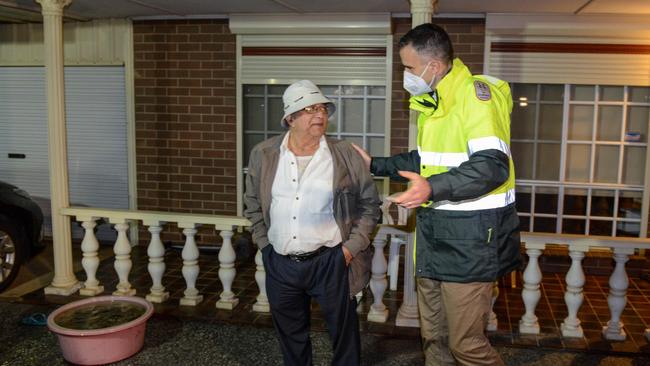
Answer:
(509, 307)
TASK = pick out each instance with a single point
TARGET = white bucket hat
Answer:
(302, 94)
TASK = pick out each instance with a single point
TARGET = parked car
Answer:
(21, 221)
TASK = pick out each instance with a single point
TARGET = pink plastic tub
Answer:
(104, 345)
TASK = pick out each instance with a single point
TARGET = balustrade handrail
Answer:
(220, 222)
(589, 241)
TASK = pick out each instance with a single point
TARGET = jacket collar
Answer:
(284, 143)
(445, 90)
(276, 143)
(271, 156)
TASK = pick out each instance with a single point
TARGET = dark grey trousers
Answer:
(291, 285)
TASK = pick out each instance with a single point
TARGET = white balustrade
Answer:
(190, 255)
(90, 260)
(618, 283)
(407, 314)
(262, 302)
(378, 312)
(227, 272)
(531, 294)
(493, 321)
(156, 251)
(123, 264)
(573, 296)
(156, 266)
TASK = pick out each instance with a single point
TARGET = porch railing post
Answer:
(227, 272)
(493, 321)
(123, 263)
(618, 283)
(378, 283)
(191, 268)
(262, 303)
(408, 314)
(156, 266)
(90, 260)
(531, 293)
(573, 297)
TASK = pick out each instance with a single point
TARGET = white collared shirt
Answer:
(302, 214)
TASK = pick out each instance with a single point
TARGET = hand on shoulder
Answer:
(364, 155)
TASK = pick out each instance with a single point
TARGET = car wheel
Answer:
(13, 248)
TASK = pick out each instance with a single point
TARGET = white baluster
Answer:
(378, 312)
(408, 313)
(393, 260)
(227, 272)
(493, 321)
(386, 217)
(90, 260)
(618, 283)
(531, 294)
(262, 303)
(358, 297)
(122, 250)
(573, 297)
(190, 255)
(156, 266)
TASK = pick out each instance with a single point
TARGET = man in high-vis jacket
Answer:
(462, 183)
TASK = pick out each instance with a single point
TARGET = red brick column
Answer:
(185, 117)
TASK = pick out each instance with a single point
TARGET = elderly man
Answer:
(312, 204)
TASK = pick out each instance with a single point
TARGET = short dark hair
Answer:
(429, 39)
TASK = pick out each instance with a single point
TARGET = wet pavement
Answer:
(203, 335)
(172, 340)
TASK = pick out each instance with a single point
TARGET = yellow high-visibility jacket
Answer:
(469, 231)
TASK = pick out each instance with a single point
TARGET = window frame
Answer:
(338, 99)
(374, 67)
(562, 184)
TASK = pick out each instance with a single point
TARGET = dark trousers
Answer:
(290, 286)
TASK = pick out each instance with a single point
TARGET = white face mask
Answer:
(415, 84)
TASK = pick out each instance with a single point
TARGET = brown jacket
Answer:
(356, 202)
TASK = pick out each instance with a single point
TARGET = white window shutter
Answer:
(599, 50)
(334, 54)
(96, 127)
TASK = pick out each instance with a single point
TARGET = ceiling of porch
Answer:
(21, 11)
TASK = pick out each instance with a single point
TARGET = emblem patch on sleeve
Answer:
(482, 90)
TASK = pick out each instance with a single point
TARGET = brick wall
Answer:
(467, 36)
(185, 117)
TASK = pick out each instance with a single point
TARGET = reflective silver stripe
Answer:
(442, 159)
(483, 203)
(485, 143)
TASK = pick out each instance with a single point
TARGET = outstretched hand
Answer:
(366, 157)
(418, 192)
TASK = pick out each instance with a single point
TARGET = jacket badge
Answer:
(482, 91)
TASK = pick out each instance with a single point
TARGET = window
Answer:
(360, 116)
(579, 153)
